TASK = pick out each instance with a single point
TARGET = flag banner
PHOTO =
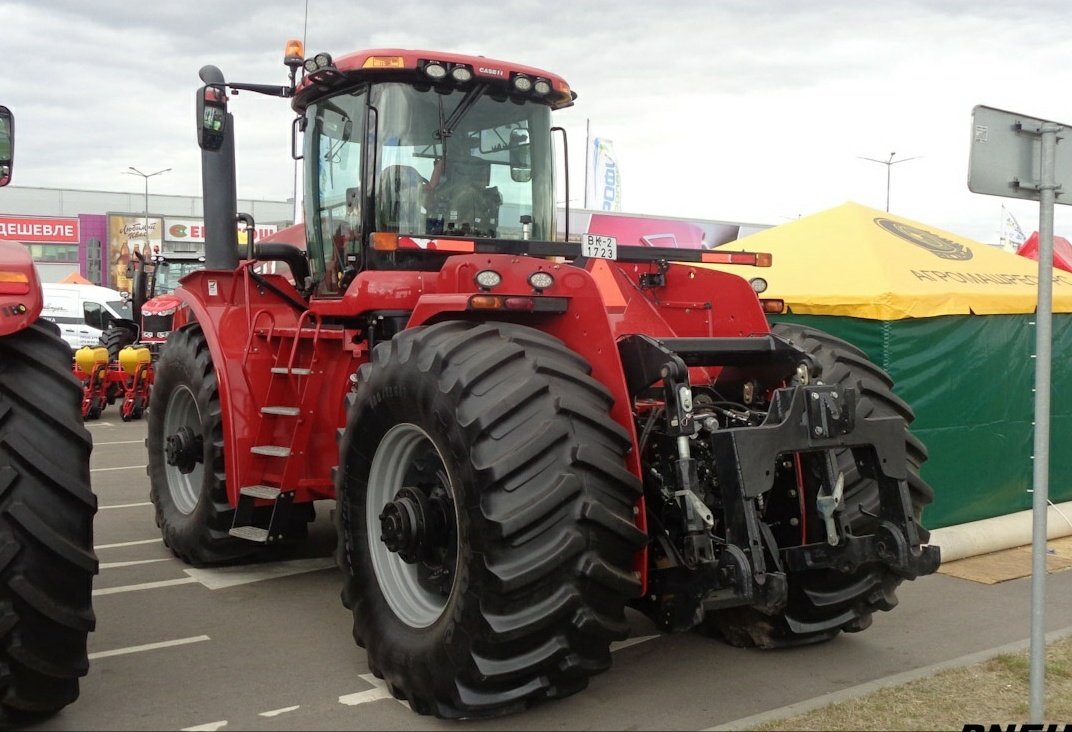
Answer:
(1012, 236)
(604, 181)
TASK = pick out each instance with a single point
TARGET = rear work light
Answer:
(319, 61)
(435, 70)
(461, 74)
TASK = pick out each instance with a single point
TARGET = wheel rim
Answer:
(412, 525)
(183, 450)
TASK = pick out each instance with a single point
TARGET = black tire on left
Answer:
(47, 560)
(495, 441)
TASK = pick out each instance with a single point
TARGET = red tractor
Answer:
(47, 561)
(155, 303)
(523, 437)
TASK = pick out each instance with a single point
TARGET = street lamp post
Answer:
(889, 164)
(146, 176)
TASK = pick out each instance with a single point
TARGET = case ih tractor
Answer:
(47, 561)
(523, 437)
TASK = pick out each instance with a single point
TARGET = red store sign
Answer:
(39, 229)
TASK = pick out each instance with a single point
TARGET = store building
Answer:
(94, 233)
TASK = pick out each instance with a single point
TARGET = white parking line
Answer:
(126, 505)
(218, 578)
(124, 467)
(277, 712)
(147, 647)
(119, 442)
(210, 727)
(619, 645)
(143, 586)
(116, 565)
(375, 694)
(128, 543)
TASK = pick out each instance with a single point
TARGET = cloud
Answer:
(755, 110)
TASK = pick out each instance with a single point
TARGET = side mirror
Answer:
(212, 114)
(520, 156)
(7, 144)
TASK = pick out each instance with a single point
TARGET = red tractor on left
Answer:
(47, 561)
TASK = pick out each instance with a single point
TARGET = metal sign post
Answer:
(1018, 157)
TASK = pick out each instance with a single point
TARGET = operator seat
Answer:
(464, 202)
(400, 191)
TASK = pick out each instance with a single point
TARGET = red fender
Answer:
(21, 299)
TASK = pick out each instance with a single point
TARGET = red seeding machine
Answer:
(523, 438)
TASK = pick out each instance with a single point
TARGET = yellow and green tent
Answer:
(952, 321)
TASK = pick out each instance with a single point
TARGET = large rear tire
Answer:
(47, 561)
(486, 519)
(825, 602)
(186, 465)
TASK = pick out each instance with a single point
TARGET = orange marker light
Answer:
(384, 241)
(384, 62)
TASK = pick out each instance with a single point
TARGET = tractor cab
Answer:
(401, 148)
(417, 146)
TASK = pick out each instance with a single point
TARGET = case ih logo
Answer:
(936, 245)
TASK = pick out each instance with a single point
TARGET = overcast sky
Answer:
(755, 111)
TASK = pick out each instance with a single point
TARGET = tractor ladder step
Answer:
(296, 370)
(282, 411)
(261, 524)
(267, 492)
(270, 450)
(250, 533)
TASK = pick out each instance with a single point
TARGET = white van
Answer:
(84, 312)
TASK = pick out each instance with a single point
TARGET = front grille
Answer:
(156, 327)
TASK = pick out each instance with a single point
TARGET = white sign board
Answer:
(1006, 154)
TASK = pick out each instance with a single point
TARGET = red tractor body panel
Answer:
(251, 332)
(21, 299)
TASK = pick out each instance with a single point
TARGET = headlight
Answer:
(541, 280)
(487, 279)
(461, 74)
(522, 83)
(435, 70)
(759, 285)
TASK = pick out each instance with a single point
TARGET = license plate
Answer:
(599, 247)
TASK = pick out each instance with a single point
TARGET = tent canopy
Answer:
(1062, 251)
(856, 261)
(75, 279)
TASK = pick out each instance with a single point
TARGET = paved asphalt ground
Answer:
(268, 647)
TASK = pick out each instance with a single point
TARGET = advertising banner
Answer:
(193, 231)
(35, 229)
(604, 180)
(125, 234)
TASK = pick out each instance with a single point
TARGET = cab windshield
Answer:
(168, 274)
(395, 158)
(462, 163)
